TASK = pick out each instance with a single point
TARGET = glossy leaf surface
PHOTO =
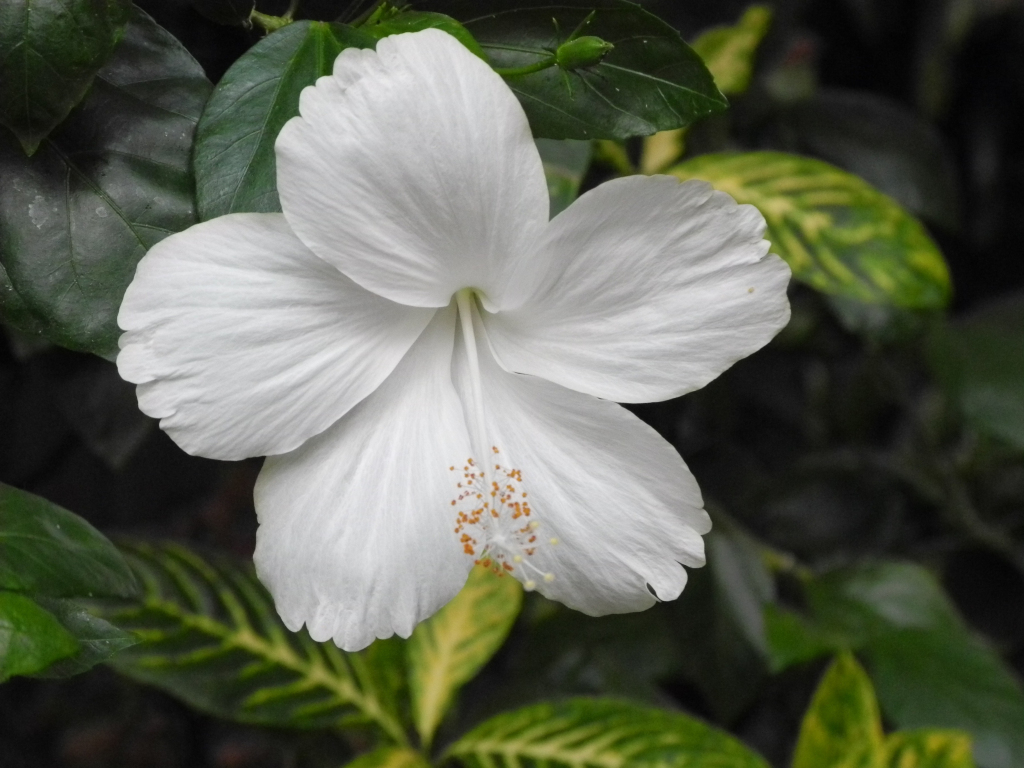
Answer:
(114, 179)
(210, 636)
(565, 164)
(46, 550)
(447, 650)
(31, 638)
(599, 733)
(234, 158)
(50, 50)
(651, 81)
(836, 232)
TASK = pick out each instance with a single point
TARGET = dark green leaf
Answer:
(651, 81)
(565, 165)
(928, 669)
(234, 159)
(887, 144)
(76, 218)
(50, 50)
(719, 622)
(980, 361)
(30, 637)
(46, 550)
(210, 636)
(414, 21)
(98, 640)
(836, 232)
(599, 733)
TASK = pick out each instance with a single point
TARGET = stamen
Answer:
(496, 532)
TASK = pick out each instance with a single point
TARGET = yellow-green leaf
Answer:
(390, 757)
(838, 233)
(599, 733)
(729, 51)
(929, 749)
(447, 650)
(842, 728)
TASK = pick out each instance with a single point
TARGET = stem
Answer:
(529, 69)
(369, 15)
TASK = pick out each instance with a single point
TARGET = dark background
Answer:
(924, 98)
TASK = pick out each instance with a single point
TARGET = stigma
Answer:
(495, 522)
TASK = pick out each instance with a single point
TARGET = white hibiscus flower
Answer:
(413, 333)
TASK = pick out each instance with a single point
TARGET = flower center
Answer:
(494, 520)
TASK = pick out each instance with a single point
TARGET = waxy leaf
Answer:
(414, 21)
(50, 50)
(31, 638)
(98, 640)
(929, 670)
(565, 165)
(650, 81)
(113, 180)
(46, 550)
(837, 233)
(234, 158)
(599, 733)
(842, 727)
(729, 51)
(210, 636)
(979, 359)
(447, 650)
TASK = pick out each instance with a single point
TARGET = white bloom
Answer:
(377, 333)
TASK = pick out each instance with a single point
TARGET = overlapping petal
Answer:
(620, 501)
(644, 289)
(244, 343)
(413, 170)
(355, 537)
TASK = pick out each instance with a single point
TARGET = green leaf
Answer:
(837, 233)
(390, 757)
(46, 550)
(98, 640)
(565, 165)
(414, 21)
(211, 637)
(448, 649)
(234, 158)
(842, 727)
(30, 637)
(980, 361)
(50, 50)
(928, 749)
(651, 81)
(792, 639)
(599, 733)
(729, 51)
(114, 179)
(720, 625)
(929, 670)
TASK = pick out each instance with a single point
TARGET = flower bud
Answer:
(582, 52)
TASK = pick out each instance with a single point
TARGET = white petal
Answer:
(621, 503)
(244, 343)
(645, 289)
(356, 533)
(413, 170)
